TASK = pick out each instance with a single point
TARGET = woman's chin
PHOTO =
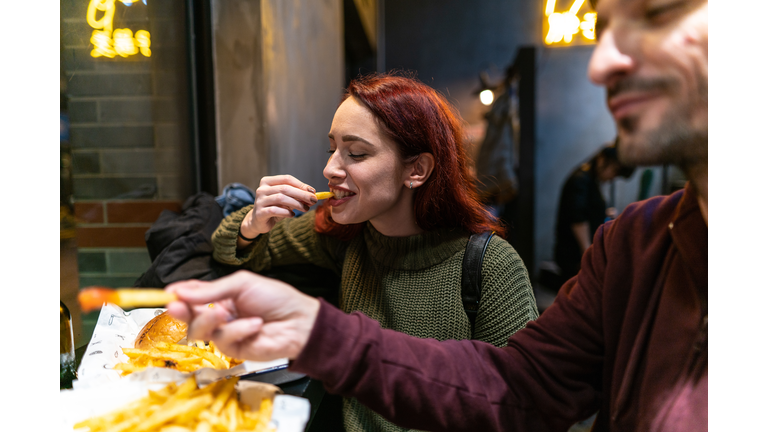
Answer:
(343, 219)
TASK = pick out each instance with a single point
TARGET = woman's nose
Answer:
(333, 168)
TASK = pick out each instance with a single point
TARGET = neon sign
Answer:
(566, 28)
(109, 43)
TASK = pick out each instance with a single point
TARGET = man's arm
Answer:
(549, 375)
(546, 379)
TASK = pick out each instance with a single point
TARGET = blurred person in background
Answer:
(582, 208)
(627, 337)
(397, 229)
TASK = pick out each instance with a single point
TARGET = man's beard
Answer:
(676, 140)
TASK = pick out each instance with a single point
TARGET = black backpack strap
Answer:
(470, 274)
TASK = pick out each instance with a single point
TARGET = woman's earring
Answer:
(411, 187)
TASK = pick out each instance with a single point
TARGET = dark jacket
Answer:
(179, 244)
(627, 337)
(180, 247)
(580, 201)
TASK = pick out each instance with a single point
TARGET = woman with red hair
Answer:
(397, 227)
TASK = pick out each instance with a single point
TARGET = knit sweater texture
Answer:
(409, 284)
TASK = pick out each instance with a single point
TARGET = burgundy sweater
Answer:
(627, 337)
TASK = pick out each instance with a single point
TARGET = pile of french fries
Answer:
(186, 408)
(184, 358)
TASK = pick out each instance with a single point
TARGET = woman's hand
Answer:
(252, 317)
(276, 198)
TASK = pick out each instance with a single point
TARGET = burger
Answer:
(162, 328)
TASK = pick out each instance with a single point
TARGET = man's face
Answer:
(651, 56)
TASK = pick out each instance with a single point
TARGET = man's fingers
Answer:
(180, 311)
(199, 292)
(228, 337)
(204, 324)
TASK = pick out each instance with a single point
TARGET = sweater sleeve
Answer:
(548, 376)
(507, 302)
(290, 241)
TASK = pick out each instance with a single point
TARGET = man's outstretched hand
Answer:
(251, 318)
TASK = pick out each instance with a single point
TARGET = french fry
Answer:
(203, 426)
(184, 358)
(91, 298)
(171, 409)
(323, 195)
(217, 362)
(227, 389)
(175, 428)
(186, 408)
(231, 414)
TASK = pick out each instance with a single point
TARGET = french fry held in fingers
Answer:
(185, 407)
(324, 195)
(92, 298)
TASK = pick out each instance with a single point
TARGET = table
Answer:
(291, 383)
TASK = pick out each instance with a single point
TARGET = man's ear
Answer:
(419, 170)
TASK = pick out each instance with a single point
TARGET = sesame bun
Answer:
(162, 328)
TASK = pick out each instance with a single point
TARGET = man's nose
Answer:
(608, 60)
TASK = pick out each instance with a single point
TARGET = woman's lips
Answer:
(341, 196)
(339, 201)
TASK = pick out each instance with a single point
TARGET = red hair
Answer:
(420, 120)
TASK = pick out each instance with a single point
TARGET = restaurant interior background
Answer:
(196, 95)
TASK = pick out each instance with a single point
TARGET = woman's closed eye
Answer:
(352, 155)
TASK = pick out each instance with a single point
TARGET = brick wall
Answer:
(129, 137)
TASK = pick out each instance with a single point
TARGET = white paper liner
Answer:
(116, 329)
(289, 414)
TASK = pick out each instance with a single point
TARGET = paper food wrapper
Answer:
(289, 414)
(117, 329)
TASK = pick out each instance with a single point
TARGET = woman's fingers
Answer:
(265, 213)
(285, 191)
(287, 180)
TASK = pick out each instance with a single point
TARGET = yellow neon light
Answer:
(143, 42)
(588, 25)
(550, 7)
(102, 44)
(563, 26)
(125, 44)
(575, 7)
(108, 43)
(106, 6)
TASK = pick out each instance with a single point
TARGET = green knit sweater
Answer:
(409, 284)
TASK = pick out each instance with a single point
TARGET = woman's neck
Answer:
(400, 220)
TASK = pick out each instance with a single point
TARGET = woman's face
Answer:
(365, 172)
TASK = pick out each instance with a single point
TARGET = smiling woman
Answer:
(412, 137)
(397, 227)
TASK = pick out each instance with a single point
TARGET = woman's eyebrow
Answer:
(351, 138)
